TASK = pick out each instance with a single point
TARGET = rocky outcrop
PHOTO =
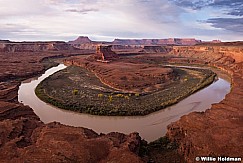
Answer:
(9, 91)
(24, 138)
(104, 53)
(32, 141)
(217, 131)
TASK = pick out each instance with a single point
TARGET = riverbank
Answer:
(64, 90)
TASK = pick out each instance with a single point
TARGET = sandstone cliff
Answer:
(217, 131)
(104, 53)
(169, 41)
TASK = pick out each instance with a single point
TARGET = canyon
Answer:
(216, 132)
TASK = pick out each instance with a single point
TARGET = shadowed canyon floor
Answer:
(216, 132)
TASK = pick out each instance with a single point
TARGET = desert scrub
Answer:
(110, 97)
(100, 95)
(137, 94)
(119, 95)
(75, 92)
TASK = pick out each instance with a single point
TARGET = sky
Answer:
(105, 20)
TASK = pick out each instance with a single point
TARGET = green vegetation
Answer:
(119, 95)
(75, 91)
(100, 95)
(64, 90)
(137, 94)
(110, 98)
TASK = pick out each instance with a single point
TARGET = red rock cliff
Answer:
(105, 53)
(217, 131)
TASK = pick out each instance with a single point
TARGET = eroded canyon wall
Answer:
(217, 131)
(34, 46)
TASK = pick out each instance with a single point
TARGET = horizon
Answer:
(106, 20)
(112, 40)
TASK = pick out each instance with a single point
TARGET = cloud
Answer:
(108, 19)
(126, 18)
(220, 14)
(231, 24)
(194, 4)
(82, 11)
(19, 8)
(232, 7)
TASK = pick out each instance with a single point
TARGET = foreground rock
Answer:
(25, 139)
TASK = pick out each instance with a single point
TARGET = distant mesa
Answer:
(8, 46)
(81, 40)
(5, 41)
(169, 41)
(215, 41)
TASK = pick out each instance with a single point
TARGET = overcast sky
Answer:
(109, 19)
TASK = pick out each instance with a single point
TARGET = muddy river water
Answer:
(150, 127)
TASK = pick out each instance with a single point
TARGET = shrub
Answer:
(126, 97)
(100, 95)
(110, 98)
(119, 95)
(75, 91)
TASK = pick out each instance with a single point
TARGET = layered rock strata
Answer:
(34, 46)
(104, 53)
(219, 130)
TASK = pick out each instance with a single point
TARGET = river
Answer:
(150, 127)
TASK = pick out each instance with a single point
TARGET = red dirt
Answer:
(126, 75)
